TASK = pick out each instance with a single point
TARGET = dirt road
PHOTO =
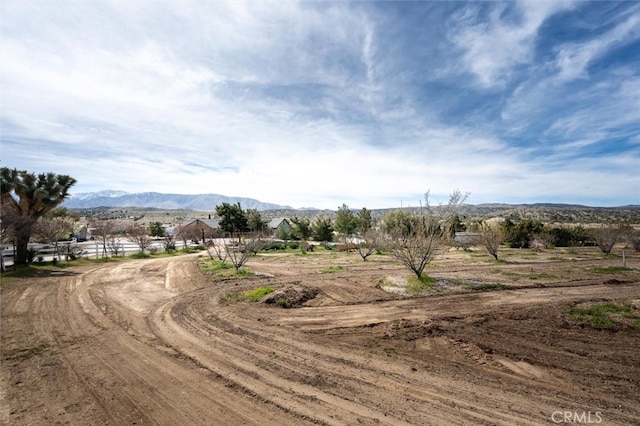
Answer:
(157, 342)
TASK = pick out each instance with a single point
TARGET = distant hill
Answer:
(544, 212)
(200, 202)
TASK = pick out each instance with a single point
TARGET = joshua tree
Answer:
(25, 198)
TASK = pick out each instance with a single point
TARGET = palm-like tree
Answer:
(26, 197)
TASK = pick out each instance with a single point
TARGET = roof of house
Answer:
(212, 223)
(274, 223)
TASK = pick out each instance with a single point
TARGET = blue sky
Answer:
(312, 103)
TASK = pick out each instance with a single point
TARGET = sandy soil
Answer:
(155, 341)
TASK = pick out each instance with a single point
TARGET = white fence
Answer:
(87, 249)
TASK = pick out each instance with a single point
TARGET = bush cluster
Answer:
(281, 245)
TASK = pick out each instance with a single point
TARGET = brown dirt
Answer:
(157, 342)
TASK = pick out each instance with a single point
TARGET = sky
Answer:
(320, 103)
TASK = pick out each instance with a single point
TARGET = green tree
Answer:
(345, 221)
(25, 197)
(364, 221)
(520, 235)
(301, 228)
(566, 236)
(255, 223)
(157, 230)
(284, 234)
(232, 219)
(398, 222)
(456, 225)
(322, 230)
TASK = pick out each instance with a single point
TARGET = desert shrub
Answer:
(275, 246)
(231, 297)
(257, 294)
(330, 269)
(293, 245)
(283, 302)
(604, 316)
(520, 235)
(566, 237)
(214, 265)
(416, 285)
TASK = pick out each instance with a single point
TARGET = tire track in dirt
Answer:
(130, 382)
(148, 342)
(224, 349)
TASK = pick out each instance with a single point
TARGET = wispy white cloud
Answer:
(310, 103)
(495, 44)
(574, 58)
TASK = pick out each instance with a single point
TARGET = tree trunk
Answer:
(22, 248)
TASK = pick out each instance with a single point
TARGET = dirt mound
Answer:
(291, 296)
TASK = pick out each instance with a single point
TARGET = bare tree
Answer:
(369, 242)
(606, 237)
(423, 236)
(114, 245)
(634, 239)
(491, 236)
(102, 231)
(187, 233)
(53, 229)
(239, 254)
(169, 241)
(218, 248)
(139, 235)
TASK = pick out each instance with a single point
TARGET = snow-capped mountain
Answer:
(91, 195)
(200, 202)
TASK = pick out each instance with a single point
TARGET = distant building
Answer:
(280, 226)
(83, 234)
(200, 229)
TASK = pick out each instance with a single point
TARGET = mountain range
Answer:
(547, 212)
(199, 202)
